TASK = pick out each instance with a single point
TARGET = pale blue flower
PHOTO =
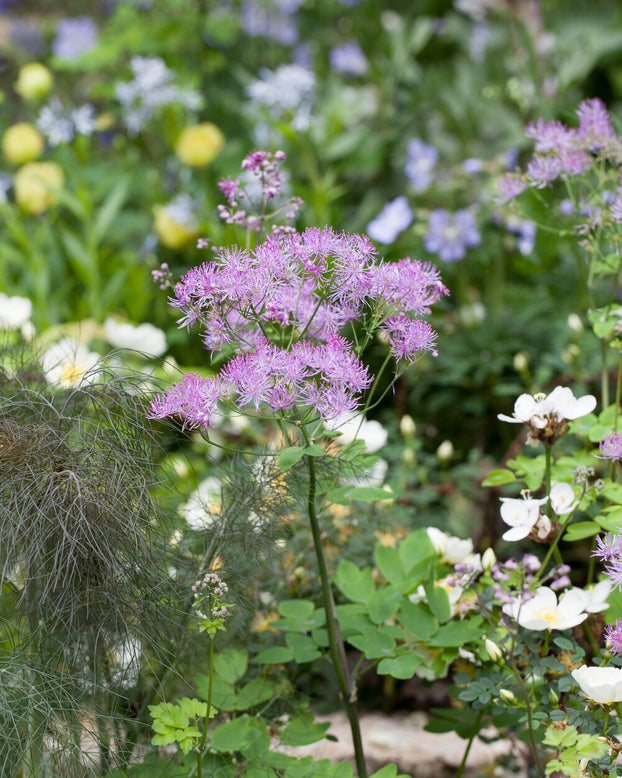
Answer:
(74, 37)
(421, 160)
(394, 218)
(451, 234)
(348, 58)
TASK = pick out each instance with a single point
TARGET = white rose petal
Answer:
(145, 338)
(600, 684)
(69, 363)
(14, 311)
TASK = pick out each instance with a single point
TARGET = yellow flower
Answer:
(22, 143)
(35, 184)
(170, 232)
(197, 146)
(34, 81)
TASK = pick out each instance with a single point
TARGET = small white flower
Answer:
(203, 506)
(560, 403)
(352, 427)
(600, 684)
(563, 499)
(14, 311)
(520, 515)
(594, 599)
(145, 338)
(69, 363)
(543, 611)
(449, 547)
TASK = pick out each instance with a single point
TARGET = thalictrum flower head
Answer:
(348, 58)
(611, 447)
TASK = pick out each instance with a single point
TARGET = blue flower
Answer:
(74, 37)
(392, 219)
(450, 235)
(349, 59)
(421, 160)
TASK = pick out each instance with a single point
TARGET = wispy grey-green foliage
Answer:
(85, 592)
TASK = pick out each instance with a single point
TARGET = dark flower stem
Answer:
(347, 687)
(201, 746)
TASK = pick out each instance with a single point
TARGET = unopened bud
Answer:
(407, 427)
(408, 457)
(445, 451)
(492, 649)
(575, 323)
(508, 697)
(553, 697)
(521, 362)
(488, 559)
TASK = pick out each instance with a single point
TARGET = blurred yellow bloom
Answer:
(261, 621)
(34, 81)
(21, 143)
(197, 146)
(170, 232)
(35, 184)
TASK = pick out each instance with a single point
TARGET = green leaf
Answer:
(370, 494)
(277, 655)
(304, 647)
(303, 730)
(357, 585)
(289, 456)
(254, 693)
(418, 619)
(296, 609)
(314, 451)
(339, 495)
(402, 666)
(224, 696)
(438, 600)
(383, 604)
(499, 478)
(415, 551)
(388, 771)
(457, 633)
(235, 735)
(231, 664)
(374, 643)
(352, 619)
(109, 209)
(582, 529)
(389, 563)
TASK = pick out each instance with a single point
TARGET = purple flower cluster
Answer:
(263, 166)
(281, 309)
(609, 551)
(611, 447)
(562, 152)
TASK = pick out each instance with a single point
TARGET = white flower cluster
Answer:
(151, 88)
(289, 89)
(544, 611)
(59, 125)
(522, 515)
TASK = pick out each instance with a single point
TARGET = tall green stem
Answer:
(547, 480)
(347, 687)
(474, 731)
(201, 747)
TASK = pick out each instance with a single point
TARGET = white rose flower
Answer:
(14, 311)
(563, 499)
(203, 505)
(520, 515)
(561, 403)
(543, 611)
(69, 363)
(450, 548)
(594, 599)
(600, 684)
(372, 433)
(145, 338)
